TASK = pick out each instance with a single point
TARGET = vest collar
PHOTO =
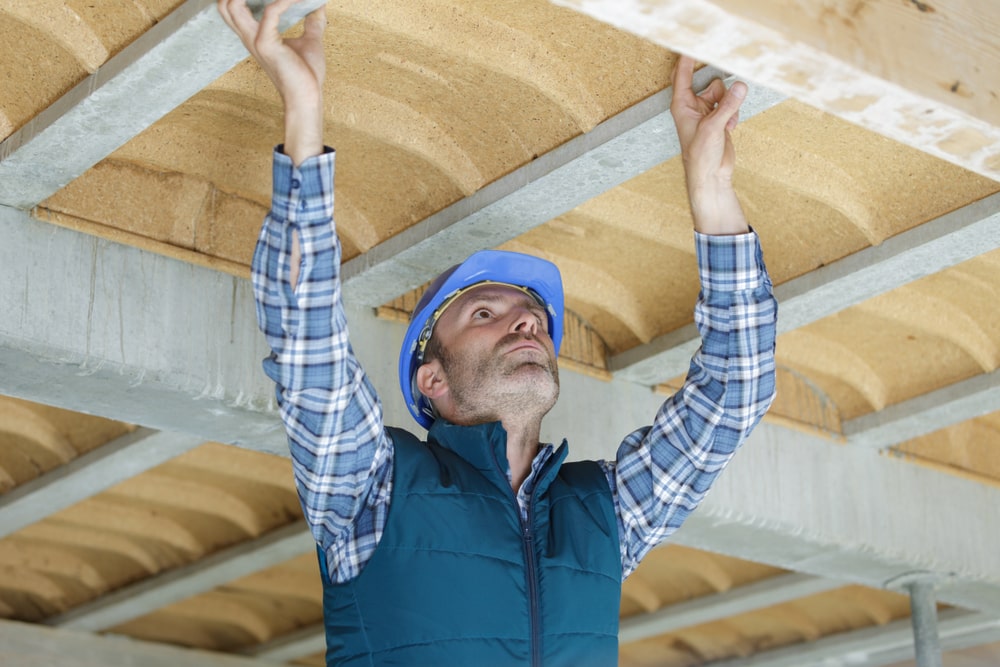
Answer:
(484, 446)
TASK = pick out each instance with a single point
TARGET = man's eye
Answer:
(481, 314)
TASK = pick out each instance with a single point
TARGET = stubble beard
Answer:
(495, 384)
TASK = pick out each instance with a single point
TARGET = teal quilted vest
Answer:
(457, 579)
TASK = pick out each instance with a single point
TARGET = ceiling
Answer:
(146, 493)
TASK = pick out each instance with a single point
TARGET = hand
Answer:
(704, 122)
(296, 66)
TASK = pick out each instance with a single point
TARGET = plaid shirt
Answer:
(342, 455)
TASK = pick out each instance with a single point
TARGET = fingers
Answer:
(727, 112)
(713, 93)
(722, 102)
(268, 31)
(315, 23)
(683, 74)
(237, 16)
(720, 107)
(265, 33)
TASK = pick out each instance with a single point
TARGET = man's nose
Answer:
(525, 321)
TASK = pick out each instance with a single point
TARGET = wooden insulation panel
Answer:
(405, 101)
(967, 449)
(940, 330)
(197, 504)
(243, 613)
(58, 44)
(675, 574)
(35, 439)
(741, 636)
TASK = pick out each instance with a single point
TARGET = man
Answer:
(480, 546)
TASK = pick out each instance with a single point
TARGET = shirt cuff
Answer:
(729, 263)
(303, 193)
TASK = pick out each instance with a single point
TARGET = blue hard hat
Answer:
(537, 276)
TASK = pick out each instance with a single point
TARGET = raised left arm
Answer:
(662, 472)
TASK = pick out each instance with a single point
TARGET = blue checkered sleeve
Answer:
(340, 452)
(662, 472)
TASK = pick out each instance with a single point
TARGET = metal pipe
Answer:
(923, 609)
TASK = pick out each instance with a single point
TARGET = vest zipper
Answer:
(532, 577)
(530, 564)
(531, 567)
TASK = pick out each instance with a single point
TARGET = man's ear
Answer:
(431, 380)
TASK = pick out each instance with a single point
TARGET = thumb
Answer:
(727, 112)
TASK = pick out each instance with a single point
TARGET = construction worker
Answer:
(477, 544)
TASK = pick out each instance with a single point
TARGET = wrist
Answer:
(303, 131)
(717, 210)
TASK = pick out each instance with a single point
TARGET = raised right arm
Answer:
(341, 454)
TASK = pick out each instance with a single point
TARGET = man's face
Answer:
(497, 355)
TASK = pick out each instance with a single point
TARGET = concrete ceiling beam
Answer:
(925, 414)
(115, 332)
(739, 600)
(304, 642)
(809, 504)
(929, 248)
(106, 329)
(617, 150)
(88, 475)
(879, 645)
(912, 83)
(166, 65)
(31, 645)
(202, 576)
